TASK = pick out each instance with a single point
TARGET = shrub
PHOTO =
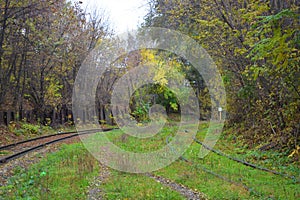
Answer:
(30, 128)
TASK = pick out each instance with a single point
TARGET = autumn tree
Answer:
(256, 48)
(42, 45)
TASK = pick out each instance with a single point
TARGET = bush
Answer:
(30, 128)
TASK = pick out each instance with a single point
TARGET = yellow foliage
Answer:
(295, 152)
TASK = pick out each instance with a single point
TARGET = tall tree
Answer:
(255, 44)
(42, 45)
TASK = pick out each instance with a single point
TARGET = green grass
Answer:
(66, 174)
(135, 186)
(260, 185)
(134, 144)
(61, 175)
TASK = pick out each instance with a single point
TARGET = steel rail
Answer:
(24, 152)
(34, 139)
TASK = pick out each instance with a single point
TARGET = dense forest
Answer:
(255, 45)
(42, 46)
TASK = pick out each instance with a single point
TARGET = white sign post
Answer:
(220, 111)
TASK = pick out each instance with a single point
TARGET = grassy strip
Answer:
(136, 186)
(62, 175)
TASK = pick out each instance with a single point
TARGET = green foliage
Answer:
(256, 47)
(27, 129)
(165, 67)
(24, 128)
(276, 71)
(141, 111)
(30, 128)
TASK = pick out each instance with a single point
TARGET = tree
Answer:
(42, 45)
(256, 48)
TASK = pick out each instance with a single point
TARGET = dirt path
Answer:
(94, 191)
(183, 190)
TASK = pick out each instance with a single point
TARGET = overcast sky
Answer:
(123, 14)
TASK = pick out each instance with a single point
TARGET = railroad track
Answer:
(22, 148)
